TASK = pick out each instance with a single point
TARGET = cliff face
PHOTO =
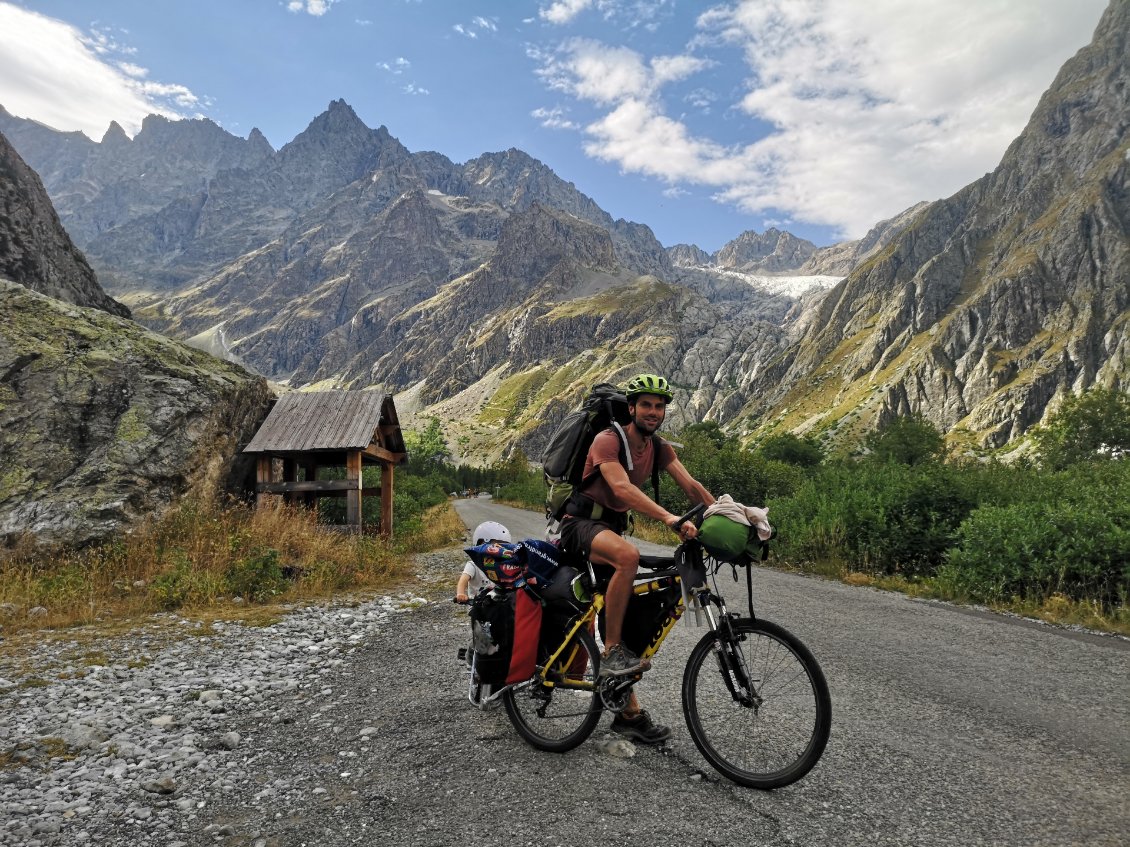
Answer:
(35, 250)
(996, 301)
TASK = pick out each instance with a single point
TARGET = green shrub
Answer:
(907, 440)
(1093, 426)
(185, 584)
(792, 450)
(881, 518)
(257, 576)
(1070, 537)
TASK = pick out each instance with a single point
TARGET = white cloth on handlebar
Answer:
(748, 515)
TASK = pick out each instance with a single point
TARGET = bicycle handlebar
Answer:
(692, 515)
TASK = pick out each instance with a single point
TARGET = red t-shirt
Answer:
(606, 448)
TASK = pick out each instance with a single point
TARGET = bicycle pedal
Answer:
(462, 654)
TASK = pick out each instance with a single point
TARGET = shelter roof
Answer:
(304, 421)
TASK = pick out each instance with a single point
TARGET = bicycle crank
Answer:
(614, 693)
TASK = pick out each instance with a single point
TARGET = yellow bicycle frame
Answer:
(588, 621)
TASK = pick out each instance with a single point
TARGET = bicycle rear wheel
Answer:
(756, 703)
(560, 714)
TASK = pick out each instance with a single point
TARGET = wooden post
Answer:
(262, 474)
(290, 474)
(353, 495)
(386, 499)
(311, 469)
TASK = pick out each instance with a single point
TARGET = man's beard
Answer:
(643, 427)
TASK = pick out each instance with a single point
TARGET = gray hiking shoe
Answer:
(620, 661)
(641, 728)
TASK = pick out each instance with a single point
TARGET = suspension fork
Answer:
(731, 660)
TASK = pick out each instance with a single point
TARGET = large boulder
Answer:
(103, 422)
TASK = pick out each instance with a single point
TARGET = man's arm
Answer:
(617, 479)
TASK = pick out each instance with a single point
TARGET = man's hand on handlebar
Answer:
(685, 526)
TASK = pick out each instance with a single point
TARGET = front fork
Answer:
(727, 650)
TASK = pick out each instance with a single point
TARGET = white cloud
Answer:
(591, 70)
(871, 106)
(135, 71)
(553, 119)
(701, 98)
(70, 80)
(412, 88)
(563, 11)
(398, 66)
(317, 8)
(462, 30)
(484, 23)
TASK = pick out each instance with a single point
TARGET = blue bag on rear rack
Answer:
(543, 558)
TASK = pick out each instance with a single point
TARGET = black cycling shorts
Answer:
(577, 534)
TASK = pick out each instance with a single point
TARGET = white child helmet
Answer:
(490, 531)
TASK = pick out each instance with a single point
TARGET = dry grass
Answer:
(198, 559)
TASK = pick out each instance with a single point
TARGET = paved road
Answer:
(950, 726)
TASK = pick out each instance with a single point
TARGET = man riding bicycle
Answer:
(597, 515)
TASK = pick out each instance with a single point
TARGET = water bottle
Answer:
(582, 588)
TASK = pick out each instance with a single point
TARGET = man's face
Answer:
(648, 411)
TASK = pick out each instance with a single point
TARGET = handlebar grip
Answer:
(694, 513)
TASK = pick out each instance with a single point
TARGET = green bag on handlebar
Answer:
(723, 538)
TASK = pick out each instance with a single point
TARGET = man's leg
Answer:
(609, 548)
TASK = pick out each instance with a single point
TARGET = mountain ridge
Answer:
(495, 284)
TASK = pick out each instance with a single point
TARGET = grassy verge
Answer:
(204, 558)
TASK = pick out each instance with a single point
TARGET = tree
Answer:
(708, 432)
(910, 440)
(428, 447)
(1092, 426)
(792, 450)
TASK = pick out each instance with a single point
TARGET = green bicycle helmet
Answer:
(648, 384)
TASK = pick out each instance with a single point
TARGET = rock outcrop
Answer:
(35, 250)
(102, 422)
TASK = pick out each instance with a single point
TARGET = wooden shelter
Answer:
(307, 431)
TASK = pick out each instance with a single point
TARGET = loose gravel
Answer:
(130, 739)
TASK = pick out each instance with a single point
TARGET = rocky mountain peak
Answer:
(115, 136)
(339, 145)
(339, 119)
(259, 143)
(688, 255)
(770, 252)
(533, 241)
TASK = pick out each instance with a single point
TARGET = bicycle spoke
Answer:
(560, 716)
(779, 738)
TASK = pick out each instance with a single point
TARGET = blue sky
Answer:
(701, 120)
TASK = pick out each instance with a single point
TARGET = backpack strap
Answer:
(658, 442)
(625, 460)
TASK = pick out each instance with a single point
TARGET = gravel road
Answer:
(347, 723)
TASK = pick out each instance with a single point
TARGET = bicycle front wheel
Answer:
(756, 703)
(562, 712)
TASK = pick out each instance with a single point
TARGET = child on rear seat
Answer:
(473, 580)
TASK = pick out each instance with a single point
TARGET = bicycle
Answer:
(760, 712)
